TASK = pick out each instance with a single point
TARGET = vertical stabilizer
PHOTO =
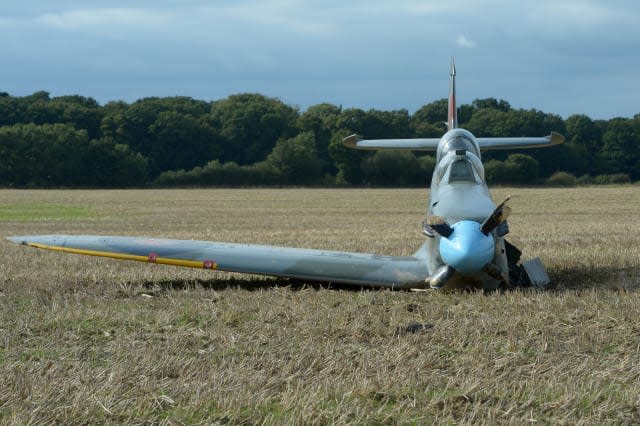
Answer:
(452, 118)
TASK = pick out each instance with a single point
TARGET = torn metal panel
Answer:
(536, 273)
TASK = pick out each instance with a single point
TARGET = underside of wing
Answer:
(419, 144)
(519, 143)
(319, 265)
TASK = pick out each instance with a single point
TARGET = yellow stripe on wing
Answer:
(151, 258)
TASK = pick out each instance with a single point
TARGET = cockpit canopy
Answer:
(457, 139)
(461, 171)
(460, 166)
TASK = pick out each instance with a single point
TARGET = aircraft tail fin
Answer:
(452, 118)
(431, 144)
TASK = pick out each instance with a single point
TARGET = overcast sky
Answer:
(562, 57)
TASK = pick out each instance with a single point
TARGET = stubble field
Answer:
(88, 340)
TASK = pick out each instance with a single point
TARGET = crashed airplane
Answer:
(464, 229)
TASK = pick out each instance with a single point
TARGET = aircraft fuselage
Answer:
(460, 196)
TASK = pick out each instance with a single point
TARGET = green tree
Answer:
(296, 159)
(522, 169)
(251, 124)
(114, 165)
(585, 136)
(8, 110)
(347, 160)
(427, 165)
(619, 153)
(495, 171)
(375, 123)
(516, 169)
(562, 179)
(393, 168)
(430, 120)
(130, 124)
(491, 103)
(465, 112)
(322, 120)
(42, 155)
(433, 113)
(83, 113)
(487, 122)
(181, 141)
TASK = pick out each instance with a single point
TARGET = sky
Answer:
(562, 57)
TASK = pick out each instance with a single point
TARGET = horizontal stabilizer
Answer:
(431, 144)
(519, 143)
(420, 144)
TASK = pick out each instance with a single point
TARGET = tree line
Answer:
(251, 139)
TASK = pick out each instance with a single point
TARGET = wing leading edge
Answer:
(319, 265)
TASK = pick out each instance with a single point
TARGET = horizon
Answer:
(302, 110)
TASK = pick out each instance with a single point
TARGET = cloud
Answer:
(464, 42)
(580, 15)
(272, 19)
(275, 17)
(308, 51)
(92, 19)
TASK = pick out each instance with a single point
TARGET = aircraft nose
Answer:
(467, 249)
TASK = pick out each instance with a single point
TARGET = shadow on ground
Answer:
(592, 278)
(563, 279)
(247, 284)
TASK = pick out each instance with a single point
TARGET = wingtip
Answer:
(556, 138)
(17, 240)
(352, 140)
(453, 67)
(29, 240)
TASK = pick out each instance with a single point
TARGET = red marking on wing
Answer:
(153, 257)
(209, 264)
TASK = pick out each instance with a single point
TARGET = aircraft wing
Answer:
(419, 144)
(318, 265)
(516, 143)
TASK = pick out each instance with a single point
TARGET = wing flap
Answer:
(320, 265)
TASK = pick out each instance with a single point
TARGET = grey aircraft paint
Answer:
(463, 225)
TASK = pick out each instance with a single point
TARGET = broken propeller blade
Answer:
(438, 225)
(494, 272)
(499, 215)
